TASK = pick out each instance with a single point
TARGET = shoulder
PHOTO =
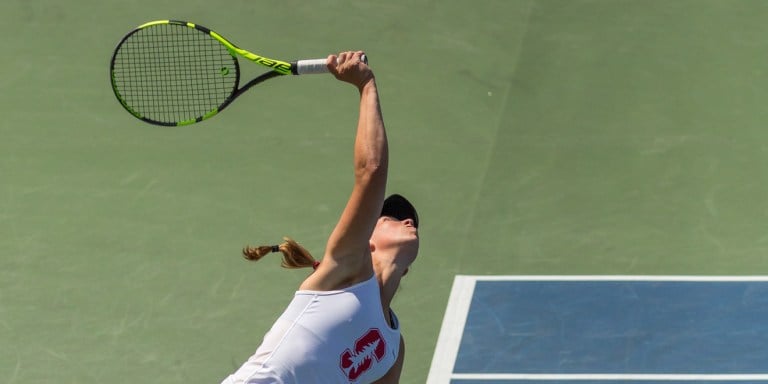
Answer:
(331, 276)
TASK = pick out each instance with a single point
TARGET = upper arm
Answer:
(393, 375)
(348, 245)
(347, 258)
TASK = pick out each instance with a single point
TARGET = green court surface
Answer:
(534, 137)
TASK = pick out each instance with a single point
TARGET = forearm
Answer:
(371, 153)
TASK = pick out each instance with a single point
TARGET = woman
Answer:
(339, 327)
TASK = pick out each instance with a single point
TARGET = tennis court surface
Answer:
(535, 137)
(603, 329)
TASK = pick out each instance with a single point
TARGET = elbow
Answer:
(371, 170)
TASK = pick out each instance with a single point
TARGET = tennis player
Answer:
(339, 327)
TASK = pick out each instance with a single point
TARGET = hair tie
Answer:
(315, 264)
(275, 248)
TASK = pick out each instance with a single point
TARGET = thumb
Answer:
(332, 63)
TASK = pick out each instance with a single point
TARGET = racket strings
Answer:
(172, 73)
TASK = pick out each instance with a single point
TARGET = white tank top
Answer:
(326, 337)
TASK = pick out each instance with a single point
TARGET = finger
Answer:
(343, 57)
(360, 58)
(332, 63)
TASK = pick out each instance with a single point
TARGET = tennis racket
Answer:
(171, 72)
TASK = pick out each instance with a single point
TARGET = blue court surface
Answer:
(604, 329)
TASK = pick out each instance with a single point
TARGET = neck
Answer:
(389, 281)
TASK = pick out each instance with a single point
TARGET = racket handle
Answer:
(315, 66)
(309, 67)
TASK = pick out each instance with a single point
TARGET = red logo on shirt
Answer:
(368, 348)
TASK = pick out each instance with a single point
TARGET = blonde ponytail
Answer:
(294, 255)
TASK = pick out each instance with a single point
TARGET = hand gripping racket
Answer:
(171, 72)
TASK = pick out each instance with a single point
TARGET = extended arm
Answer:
(347, 258)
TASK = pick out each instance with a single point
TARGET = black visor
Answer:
(400, 208)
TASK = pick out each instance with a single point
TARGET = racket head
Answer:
(173, 73)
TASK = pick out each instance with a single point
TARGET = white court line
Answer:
(617, 278)
(612, 377)
(449, 340)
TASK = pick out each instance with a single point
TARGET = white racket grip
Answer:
(315, 66)
(309, 67)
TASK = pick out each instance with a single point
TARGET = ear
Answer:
(372, 246)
